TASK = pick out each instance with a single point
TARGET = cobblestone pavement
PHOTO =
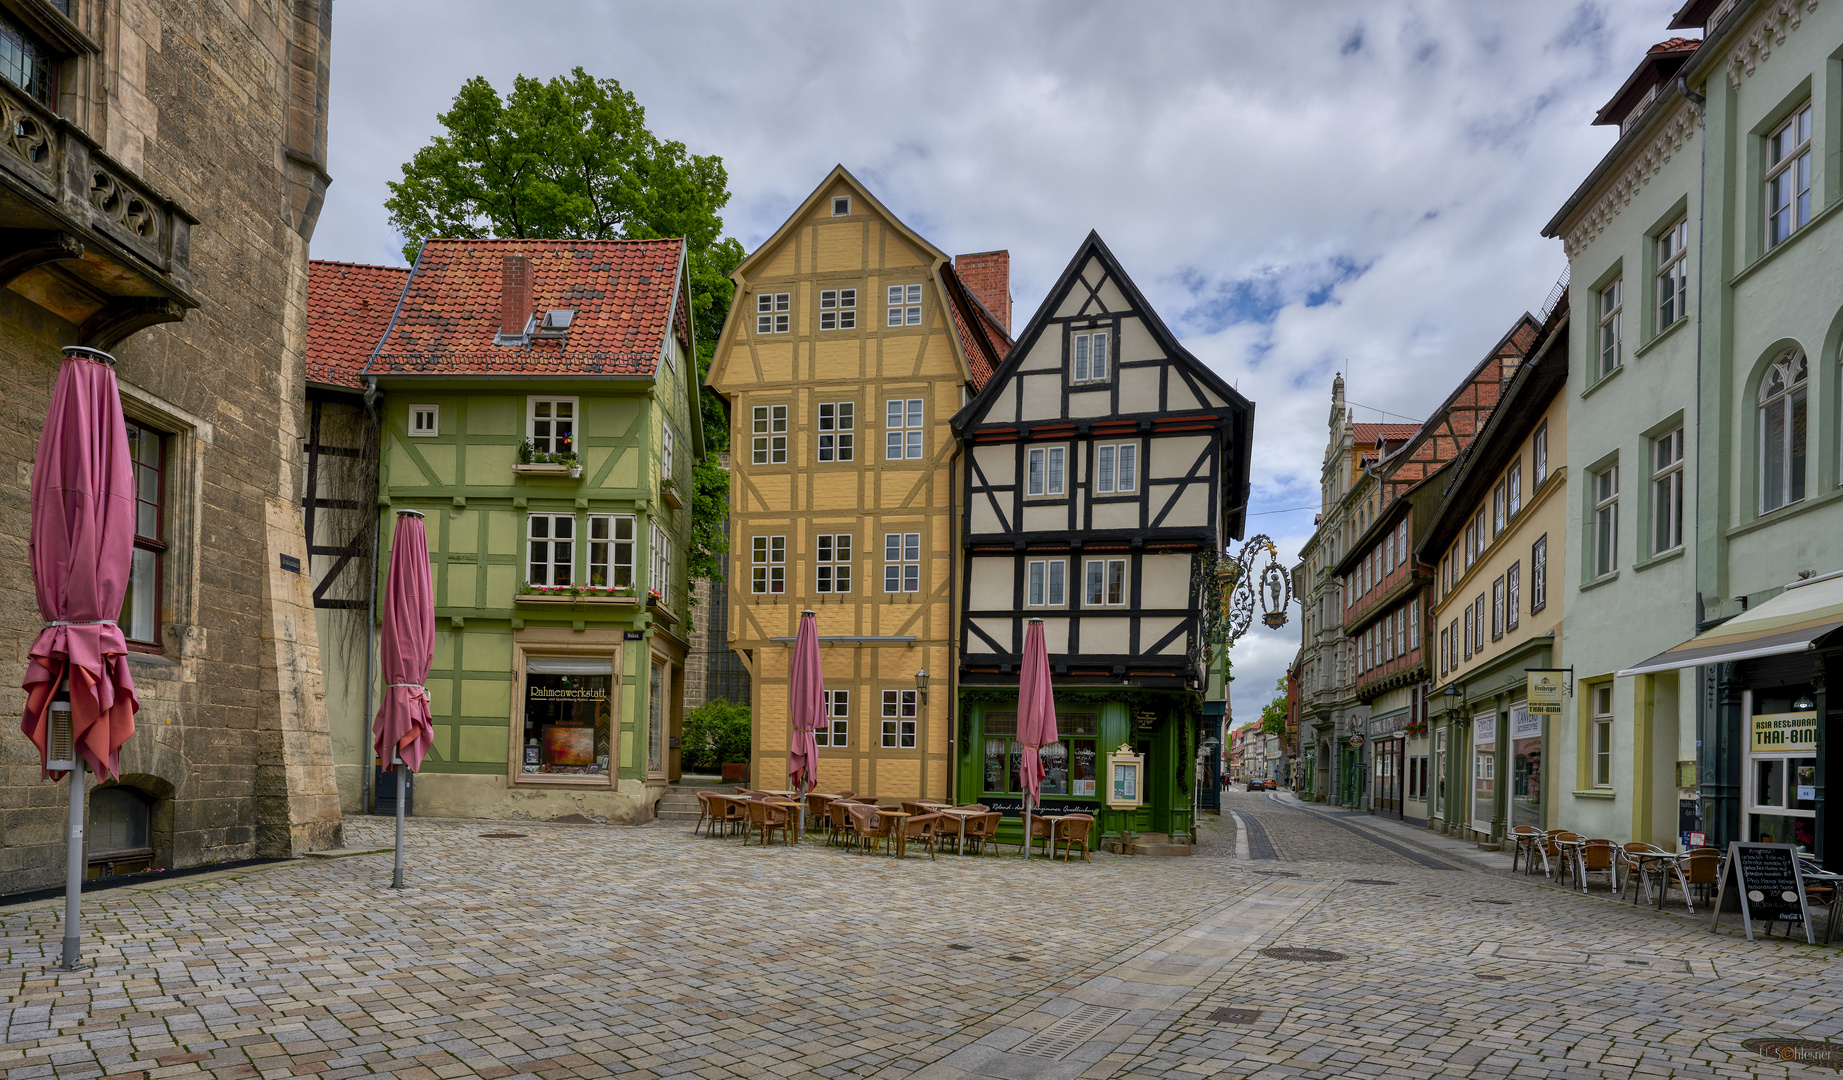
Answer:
(584, 951)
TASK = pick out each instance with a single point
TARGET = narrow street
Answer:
(580, 951)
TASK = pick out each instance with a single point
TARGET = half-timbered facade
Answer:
(1106, 468)
(849, 346)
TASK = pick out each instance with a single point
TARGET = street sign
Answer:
(1544, 693)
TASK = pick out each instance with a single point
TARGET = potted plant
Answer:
(668, 493)
(535, 462)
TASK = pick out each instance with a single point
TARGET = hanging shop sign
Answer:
(1764, 883)
(1785, 733)
(1544, 691)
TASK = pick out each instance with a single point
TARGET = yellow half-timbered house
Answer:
(850, 345)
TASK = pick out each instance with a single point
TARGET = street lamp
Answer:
(921, 686)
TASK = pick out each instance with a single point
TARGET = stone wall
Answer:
(231, 750)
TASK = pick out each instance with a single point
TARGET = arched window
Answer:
(1782, 432)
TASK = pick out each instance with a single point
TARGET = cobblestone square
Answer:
(587, 951)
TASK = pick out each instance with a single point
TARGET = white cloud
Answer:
(1299, 188)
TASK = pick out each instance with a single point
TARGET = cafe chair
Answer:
(1041, 828)
(923, 828)
(982, 831)
(766, 817)
(1528, 841)
(1600, 856)
(868, 825)
(1073, 829)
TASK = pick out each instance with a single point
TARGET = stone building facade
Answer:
(160, 177)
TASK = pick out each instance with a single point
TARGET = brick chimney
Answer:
(515, 295)
(987, 275)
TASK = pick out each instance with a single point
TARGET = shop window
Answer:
(899, 719)
(836, 731)
(140, 617)
(1070, 765)
(567, 712)
(655, 719)
(1782, 773)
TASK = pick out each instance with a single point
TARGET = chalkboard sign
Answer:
(1763, 883)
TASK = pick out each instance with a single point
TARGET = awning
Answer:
(1790, 622)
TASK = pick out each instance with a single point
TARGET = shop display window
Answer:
(1071, 766)
(568, 710)
(1782, 767)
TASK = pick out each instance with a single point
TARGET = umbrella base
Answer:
(72, 955)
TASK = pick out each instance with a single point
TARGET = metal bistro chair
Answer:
(1631, 862)
(1565, 844)
(1529, 842)
(1598, 856)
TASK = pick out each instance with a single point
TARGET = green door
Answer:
(1144, 818)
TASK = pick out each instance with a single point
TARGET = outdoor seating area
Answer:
(850, 822)
(1645, 874)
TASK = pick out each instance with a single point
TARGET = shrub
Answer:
(715, 732)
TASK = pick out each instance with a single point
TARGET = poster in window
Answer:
(569, 745)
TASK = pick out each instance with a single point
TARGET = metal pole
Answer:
(396, 874)
(73, 870)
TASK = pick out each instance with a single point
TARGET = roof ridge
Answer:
(358, 265)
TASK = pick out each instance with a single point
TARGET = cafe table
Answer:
(1571, 859)
(962, 815)
(1835, 883)
(902, 842)
(1663, 864)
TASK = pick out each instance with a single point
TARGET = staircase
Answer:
(679, 802)
(1155, 844)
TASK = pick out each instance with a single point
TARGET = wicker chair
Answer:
(981, 830)
(922, 827)
(1041, 828)
(765, 817)
(838, 822)
(868, 825)
(1072, 829)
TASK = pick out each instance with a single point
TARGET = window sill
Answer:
(540, 780)
(547, 468)
(1602, 380)
(1597, 793)
(1657, 560)
(1773, 252)
(566, 601)
(669, 496)
(1785, 513)
(1658, 338)
(1599, 581)
(152, 659)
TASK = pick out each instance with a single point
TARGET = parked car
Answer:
(1262, 785)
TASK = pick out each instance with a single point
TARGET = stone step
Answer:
(676, 815)
(1140, 847)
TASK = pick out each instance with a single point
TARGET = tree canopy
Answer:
(573, 159)
(570, 158)
(1273, 714)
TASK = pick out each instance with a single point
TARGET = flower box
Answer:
(657, 606)
(669, 496)
(736, 771)
(547, 468)
(565, 599)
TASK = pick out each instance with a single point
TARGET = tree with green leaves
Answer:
(1273, 714)
(572, 159)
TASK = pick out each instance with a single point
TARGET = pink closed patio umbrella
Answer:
(406, 645)
(81, 551)
(1036, 718)
(806, 707)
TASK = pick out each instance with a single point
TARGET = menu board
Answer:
(1763, 883)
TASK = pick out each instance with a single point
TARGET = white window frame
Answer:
(904, 428)
(1046, 583)
(1046, 472)
(837, 431)
(1603, 536)
(832, 562)
(841, 206)
(659, 576)
(904, 305)
(1513, 488)
(838, 309)
(559, 436)
(768, 565)
(1086, 365)
(902, 562)
(836, 731)
(1116, 469)
(550, 540)
(1513, 596)
(1539, 574)
(1672, 274)
(773, 313)
(1788, 177)
(425, 421)
(1667, 492)
(1600, 739)
(611, 552)
(768, 435)
(1539, 457)
(900, 712)
(1610, 302)
(1104, 583)
(665, 450)
(1786, 389)
(1498, 592)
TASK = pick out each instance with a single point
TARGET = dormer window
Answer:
(841, 205)
(554, 324)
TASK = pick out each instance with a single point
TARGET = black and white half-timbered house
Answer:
(1106, 469)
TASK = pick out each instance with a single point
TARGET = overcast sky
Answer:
(1300, 188)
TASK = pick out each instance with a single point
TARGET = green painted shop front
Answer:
(1158, 725)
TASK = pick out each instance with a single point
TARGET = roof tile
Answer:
(348, 307)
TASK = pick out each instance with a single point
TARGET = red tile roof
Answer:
(1675, 44)
(348, 307)
(983, 341)
(1367, 434)
(620, 290)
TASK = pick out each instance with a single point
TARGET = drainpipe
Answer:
(369, 772)
(953, 634)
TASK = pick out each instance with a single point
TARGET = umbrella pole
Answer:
(73, 872)
(396, 873)
(1027, 823)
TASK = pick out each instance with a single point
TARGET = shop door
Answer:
(1484, 771)
(1388, 777)
(1143, 818)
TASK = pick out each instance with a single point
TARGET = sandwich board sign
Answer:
(1764, 883)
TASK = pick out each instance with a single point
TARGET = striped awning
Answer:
(1793, 621)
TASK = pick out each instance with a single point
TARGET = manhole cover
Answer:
(1235, 1016)
(1804, 1051)
(1370, 881)
(502, 836)
(1310, 956)
(1277, 873)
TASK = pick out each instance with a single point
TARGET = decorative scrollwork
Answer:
(1239, 589)
(122, 206)
(25, 136)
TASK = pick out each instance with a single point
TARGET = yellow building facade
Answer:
(848, 348)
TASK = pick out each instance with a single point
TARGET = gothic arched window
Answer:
(1782, 432)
